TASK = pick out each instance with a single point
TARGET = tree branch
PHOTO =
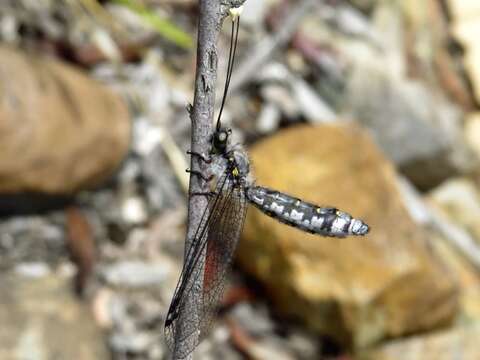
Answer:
(211, 14)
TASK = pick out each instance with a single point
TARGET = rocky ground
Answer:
(370, 106)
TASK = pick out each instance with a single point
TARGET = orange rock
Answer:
(358, 290)
(59, 130)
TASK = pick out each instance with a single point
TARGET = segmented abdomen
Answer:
(327, 221)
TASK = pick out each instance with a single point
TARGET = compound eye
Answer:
(222, 137)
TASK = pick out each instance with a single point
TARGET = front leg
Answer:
(206, 160)
(200, 175)
(206, 193)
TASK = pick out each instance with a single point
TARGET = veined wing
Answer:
(192, 268)
(208, 258)
(222, 242)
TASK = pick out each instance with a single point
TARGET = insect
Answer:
(208, 260)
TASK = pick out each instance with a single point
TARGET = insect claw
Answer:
(200, 156)
(199, 174)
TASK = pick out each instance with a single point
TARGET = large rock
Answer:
(394, 84)
(358, 290)
(42, 320)
(419, 130)
(59, 130)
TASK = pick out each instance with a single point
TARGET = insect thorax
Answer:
(232, 159)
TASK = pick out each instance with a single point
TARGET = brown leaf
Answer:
(81, 246)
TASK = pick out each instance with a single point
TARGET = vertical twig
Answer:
(211, 14)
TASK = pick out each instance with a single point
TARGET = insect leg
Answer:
(205, 159)
(200, 175)
(206, 193)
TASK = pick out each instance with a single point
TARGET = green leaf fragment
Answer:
(164, 27)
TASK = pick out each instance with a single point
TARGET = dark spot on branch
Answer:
(205, 84)
(212, 59)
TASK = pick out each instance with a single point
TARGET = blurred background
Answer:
(371, 106)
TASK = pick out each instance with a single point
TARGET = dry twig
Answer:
(211, 14)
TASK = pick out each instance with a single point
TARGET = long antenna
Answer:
(231, 59)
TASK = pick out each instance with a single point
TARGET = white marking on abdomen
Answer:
(258, 200)
(355, 225)
(317, 221)
(296, 215)
(277, 208)
(338, 225)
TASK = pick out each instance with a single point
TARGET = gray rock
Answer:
(411, 118)
(135, 273)
(255, 321)
(134, 210)
(27, 239)
(270, 348)
(217, 345)
(419, 132)
(137, 342)
(32, 269)
(304, 345)
(293, 96)
(41, 320)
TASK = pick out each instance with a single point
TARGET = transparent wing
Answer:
(178, 331)
(208, 259)
(222, 242)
